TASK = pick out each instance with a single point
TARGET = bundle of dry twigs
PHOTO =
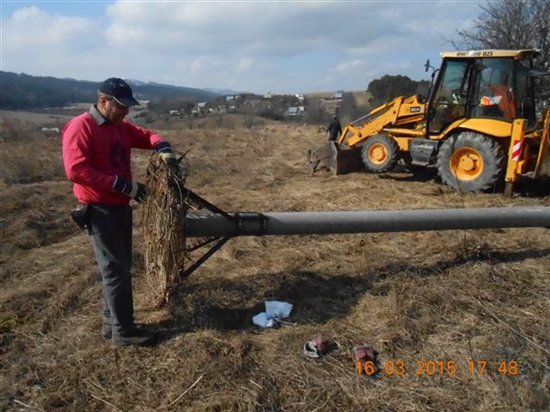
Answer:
(164, 211)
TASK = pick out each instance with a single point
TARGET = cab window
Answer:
(525, 93)
(494, 92)
(450, 98)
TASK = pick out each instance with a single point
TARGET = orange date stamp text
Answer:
(433, 367)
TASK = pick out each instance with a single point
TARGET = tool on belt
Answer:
(81, 217)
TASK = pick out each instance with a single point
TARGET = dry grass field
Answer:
(439, 306)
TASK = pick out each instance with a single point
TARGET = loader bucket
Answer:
(332, 157)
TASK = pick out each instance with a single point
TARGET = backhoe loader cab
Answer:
(478, 125)
(482, 85)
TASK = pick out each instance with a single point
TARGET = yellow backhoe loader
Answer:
(478, 125)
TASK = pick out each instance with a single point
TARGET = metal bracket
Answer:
(238, 219)
(251, 217)
(221, 241)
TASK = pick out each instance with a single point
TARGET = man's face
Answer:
(112, 110)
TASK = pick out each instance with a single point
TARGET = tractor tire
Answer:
(471, 162)
(380, 153)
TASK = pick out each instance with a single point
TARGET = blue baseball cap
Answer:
(119, 90)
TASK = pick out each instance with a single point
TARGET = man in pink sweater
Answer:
(96, 156)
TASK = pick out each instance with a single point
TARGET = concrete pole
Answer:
(321, 223)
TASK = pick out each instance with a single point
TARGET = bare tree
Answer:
(513, 24)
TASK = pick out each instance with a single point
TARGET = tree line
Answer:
(23, 91)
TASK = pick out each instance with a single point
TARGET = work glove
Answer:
(134, 190)
(169, 158)
(166, 154)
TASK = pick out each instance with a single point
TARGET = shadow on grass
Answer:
(526, 187)
(224, 305)
(416, 174)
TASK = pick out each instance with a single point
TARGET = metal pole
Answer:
(320, 223)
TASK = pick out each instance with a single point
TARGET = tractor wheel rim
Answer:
(467, 163)
(378, 154)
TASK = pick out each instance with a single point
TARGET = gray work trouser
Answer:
(111, 234)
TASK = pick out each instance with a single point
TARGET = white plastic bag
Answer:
(263, 321)
(277, 309)
(274, 312)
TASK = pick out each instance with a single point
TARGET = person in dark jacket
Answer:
(96, 157)
(334, 129)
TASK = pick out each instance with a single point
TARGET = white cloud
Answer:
(32, 28)
(245, 64)
(195, 66)
(346, 66)
(256, 46)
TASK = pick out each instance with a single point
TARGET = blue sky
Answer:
(257, 46)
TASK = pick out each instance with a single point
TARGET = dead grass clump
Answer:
(32, 159)
(164, 212)
(35, 215)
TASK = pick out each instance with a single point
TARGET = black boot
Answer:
(133, 336)
(107, 330)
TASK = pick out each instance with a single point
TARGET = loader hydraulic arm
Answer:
(401, 112)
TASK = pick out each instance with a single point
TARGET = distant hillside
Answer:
(22, 91)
